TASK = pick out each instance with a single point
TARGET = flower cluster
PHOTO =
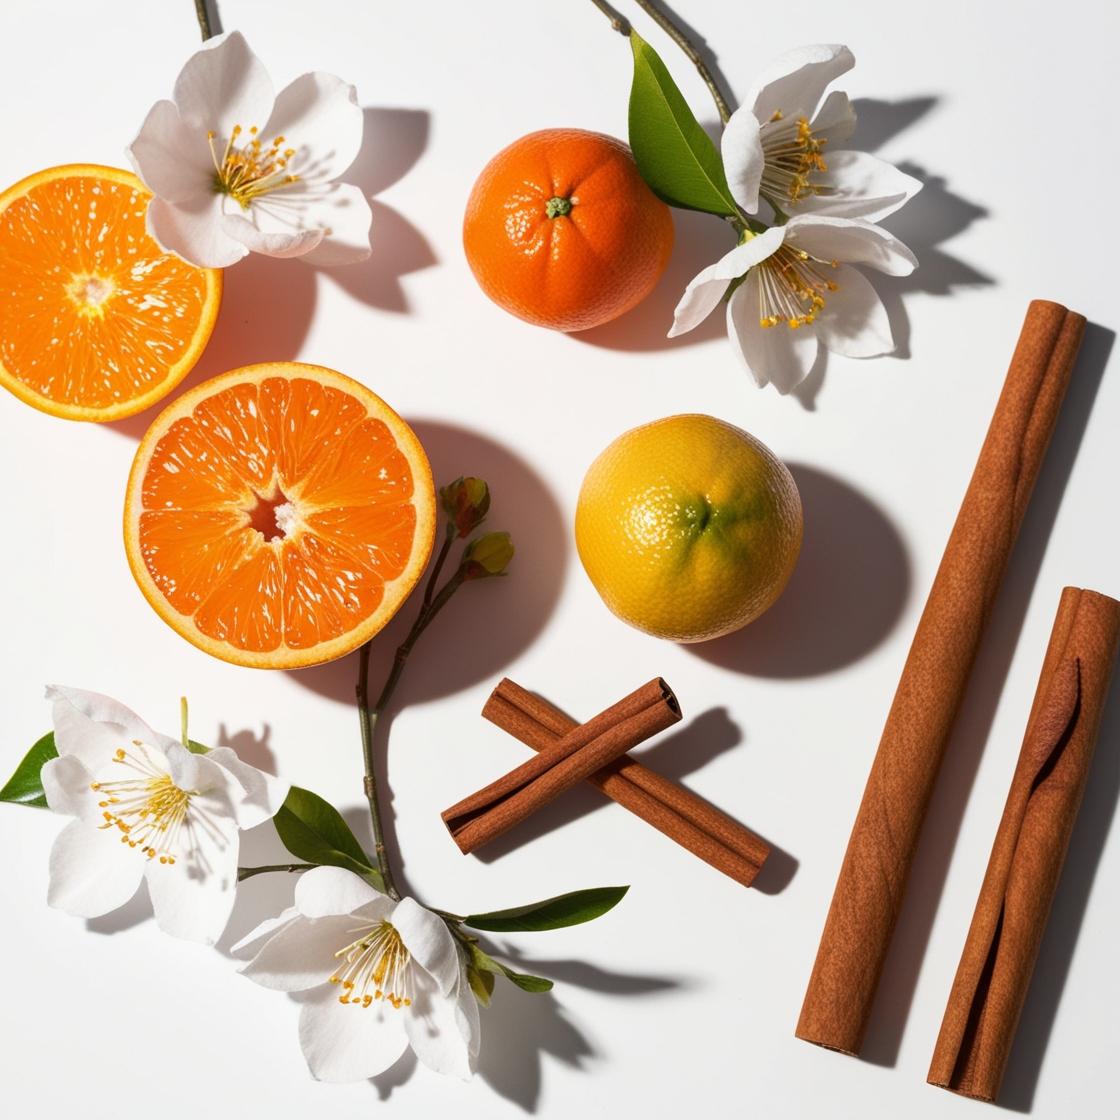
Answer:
(791, 286)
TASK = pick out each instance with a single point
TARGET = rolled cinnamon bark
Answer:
(1029, 849)
(670, 808)
(872, 881)
(486, 815)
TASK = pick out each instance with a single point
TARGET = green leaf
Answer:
(197, 748)
(552, 913)
(25, 786)
(674, 154)
(483, 963)
(313, 830)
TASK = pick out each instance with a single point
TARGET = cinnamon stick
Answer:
(482, 817)
(670, 808)
(872, 881)
(1029, 849)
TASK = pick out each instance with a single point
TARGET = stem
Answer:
(203, 19)
(449, 536)
(682, 40)
(368, 714)
(244, 873)
(619, 22)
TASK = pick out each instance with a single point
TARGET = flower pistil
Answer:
(375, 967)
(247, 171)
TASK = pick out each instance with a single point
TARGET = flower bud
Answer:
(466, 501)
(489, 555)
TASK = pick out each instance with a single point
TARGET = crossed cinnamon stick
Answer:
(569, 752)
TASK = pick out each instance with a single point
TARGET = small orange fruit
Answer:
(279, 515)
(563, 232)
(96, 321)
(688, 527)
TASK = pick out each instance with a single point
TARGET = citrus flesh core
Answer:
(562, 231)
(279, 515)
(688, 527)
(96, 321)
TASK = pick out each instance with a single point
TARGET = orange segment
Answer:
(96, 321)
(279, 515)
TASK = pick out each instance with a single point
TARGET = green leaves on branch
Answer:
(553, 913)
(313, 830)
(482, 968)
(674, 154)
(25, 786)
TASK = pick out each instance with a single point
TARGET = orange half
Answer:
(96, 321)
(279, 515)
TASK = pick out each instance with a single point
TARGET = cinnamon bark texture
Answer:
(872, 881)
(1030, 847)
(670, 808)
(486, 815)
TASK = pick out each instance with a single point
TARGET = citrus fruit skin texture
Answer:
(688, 527)
(96, 321)
(562, 231)
(279, 515)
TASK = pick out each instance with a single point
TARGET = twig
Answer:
(618, 21)
(244, 873)
(203, 19)
(682, 40)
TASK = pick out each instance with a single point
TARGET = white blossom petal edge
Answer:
(145, 807)
(799, 292)
(782, 148)
(235, 169)
(377, 976)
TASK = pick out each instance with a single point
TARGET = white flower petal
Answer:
(192, 898)
(301, 954)
(427, 938)
(333, 890)
(836, 119)
(743, 160)
(91, 726)
(193, 230)
(91, 871)
(290, 242)
(795, 81)
(860, 185)
(222, 85)
(319, 117)
(851, 240)
(262, 793)
(854, 321)
(779, 355)
(436, 1032)
(345, 215)
(707, 287)
(348, 1043)
(254, 939)
(66, 783)
(172, 157)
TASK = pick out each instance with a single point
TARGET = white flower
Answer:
(378, 975)
(782, 148)
(235, 169)
(795, 288)
(147, 808)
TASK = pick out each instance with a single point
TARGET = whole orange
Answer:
(562, 231)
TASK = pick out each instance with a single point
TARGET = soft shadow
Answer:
(582, 974)
(136, 910)
(393, 140)
(488, 623)
(1051, 970)
(249, 746)
(266, 312)
(958, 772)
(845, 596)
(673, 756)
(699, 240)
(396, 1075)
(880, 121)
(707, 55)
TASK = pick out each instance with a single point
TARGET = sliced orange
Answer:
(279, 515)
(96, 321)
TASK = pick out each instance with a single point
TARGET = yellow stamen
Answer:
(375, 967)
(794, 154)
(792, 287)
(246, 172)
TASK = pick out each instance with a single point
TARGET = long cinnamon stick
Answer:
(482, 817)
(872, 881)
(1029, 849)
(670, 808)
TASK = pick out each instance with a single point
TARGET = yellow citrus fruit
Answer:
(97, 322)
(688, 527)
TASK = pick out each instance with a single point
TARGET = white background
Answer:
(685, 998)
